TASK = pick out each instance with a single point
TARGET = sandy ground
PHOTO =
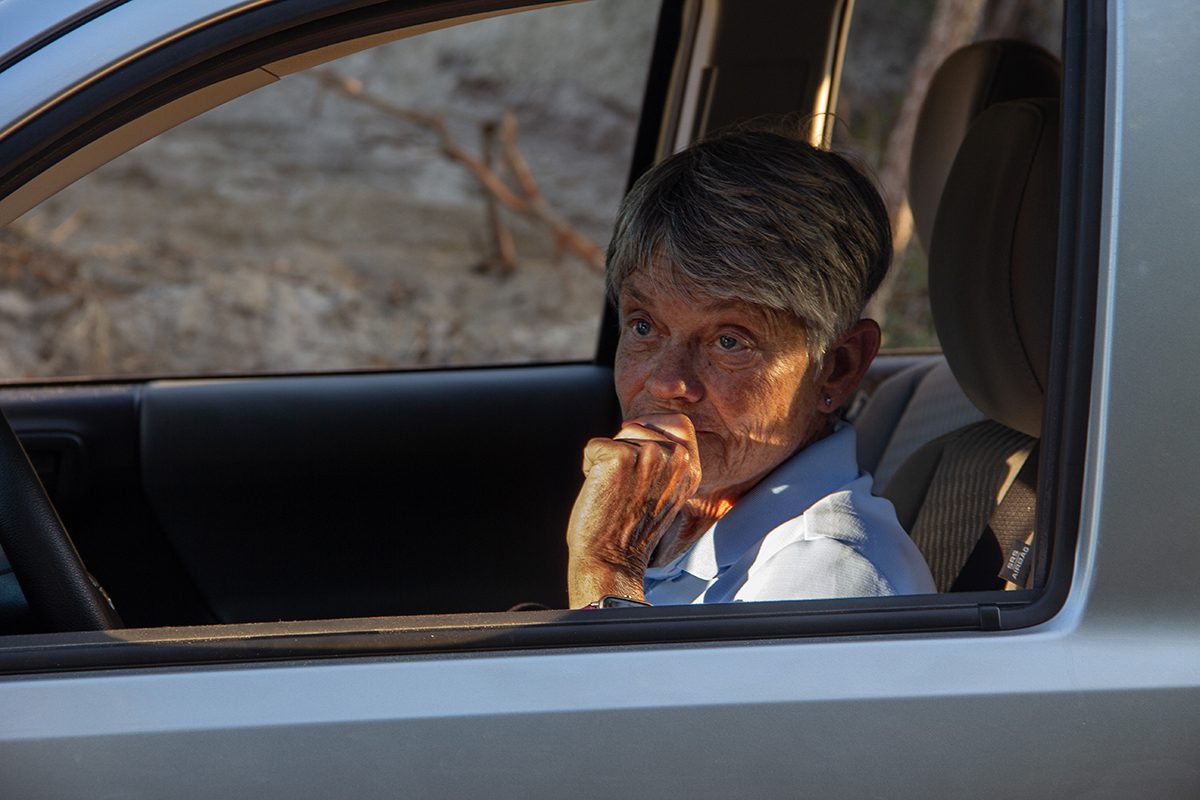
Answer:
(294, 229)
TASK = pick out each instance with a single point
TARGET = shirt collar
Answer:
(785, 493)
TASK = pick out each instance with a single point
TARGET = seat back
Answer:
(923, 402)
(973, 79)
(998, 215)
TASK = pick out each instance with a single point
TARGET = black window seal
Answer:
(1068, 395)
(786, 621)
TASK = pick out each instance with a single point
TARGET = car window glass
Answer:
(892, 50)
(442, 200)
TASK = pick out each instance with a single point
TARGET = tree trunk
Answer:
(953, 24)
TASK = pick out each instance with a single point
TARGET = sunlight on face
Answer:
(739, 371)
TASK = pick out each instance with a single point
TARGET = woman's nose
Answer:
(673, 376)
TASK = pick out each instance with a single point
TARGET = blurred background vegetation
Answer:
(892, 51)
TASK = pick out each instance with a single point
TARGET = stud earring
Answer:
(828, 400)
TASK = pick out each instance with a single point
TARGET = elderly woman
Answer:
(740, 268)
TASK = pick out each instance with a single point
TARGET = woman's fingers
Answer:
(645, 463)
(632, 487)
(625, 455)
(671, 427)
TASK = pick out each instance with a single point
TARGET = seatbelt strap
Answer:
(1012, 525)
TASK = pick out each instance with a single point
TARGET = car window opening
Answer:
(501, 274)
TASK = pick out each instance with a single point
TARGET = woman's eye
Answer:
(641, 327)
(726, 342)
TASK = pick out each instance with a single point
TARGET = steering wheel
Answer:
(59, 589)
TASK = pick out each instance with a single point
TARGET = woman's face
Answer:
(741, 373)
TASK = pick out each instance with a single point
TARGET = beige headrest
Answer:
(968, 82)
(991, 263)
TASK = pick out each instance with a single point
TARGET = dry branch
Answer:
(527, 201)
(503, 257)
(566, 236)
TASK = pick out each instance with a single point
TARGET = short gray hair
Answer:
(761, 217)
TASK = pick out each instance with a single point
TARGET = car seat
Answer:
(991, 276)
(924, 401)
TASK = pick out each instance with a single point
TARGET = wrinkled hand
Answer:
(635, 484)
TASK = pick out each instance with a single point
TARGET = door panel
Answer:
(305, 497)
(95, 483)
(373, 494)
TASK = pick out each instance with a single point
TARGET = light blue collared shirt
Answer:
(809, 529)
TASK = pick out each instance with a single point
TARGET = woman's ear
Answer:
(846, 363)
